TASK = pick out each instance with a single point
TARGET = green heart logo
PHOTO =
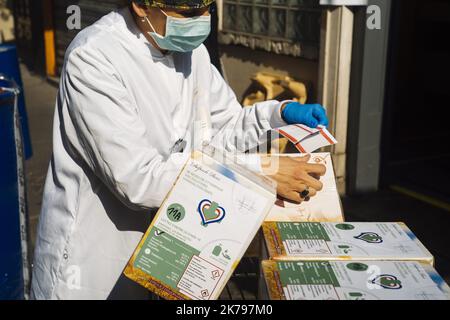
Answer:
(210, 212)
(370, 237)
(387, 281)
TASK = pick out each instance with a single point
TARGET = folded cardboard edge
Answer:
(272, 280)
(414, 238)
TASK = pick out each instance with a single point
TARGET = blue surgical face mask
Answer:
(182, 34)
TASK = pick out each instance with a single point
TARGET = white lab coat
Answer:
(120, 108)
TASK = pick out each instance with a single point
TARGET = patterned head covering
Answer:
(176, 4)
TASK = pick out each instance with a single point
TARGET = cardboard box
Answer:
(324, 207)
(343, 241)
(201, 231)
(353, 280)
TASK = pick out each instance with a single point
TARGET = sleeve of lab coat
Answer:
(235, 128)
(109, 135)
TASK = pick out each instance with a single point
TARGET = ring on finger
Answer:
(305, 193)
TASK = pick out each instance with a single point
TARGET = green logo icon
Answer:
(345, 249)
(210, 212)
(356, 296)
(345, 226)
(370, 237)
(217, 251)
(176, 212)
(360, 267)
(388, 281)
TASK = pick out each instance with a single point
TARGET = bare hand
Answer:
(294, 176)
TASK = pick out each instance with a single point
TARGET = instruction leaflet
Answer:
(307, 139)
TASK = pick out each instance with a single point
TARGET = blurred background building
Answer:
(6, 22)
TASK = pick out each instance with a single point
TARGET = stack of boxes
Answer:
(312, 254)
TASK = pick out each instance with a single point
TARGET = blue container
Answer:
(14, 266)
(9, 66)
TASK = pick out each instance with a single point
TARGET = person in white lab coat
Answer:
(133, 89)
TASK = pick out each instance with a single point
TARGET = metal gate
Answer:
(28, 24)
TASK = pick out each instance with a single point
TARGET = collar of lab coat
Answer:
(135, 34)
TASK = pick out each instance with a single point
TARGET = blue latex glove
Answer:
(311, 115)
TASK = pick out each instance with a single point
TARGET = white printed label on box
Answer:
(310, 292)
(200, 279)
(299, 247)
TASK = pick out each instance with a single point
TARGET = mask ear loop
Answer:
(150, 24)
(148, 21)
(163, 12)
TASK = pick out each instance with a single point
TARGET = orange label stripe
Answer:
(291, 138)
(303, 128)
(327, 137)
(300, 148)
